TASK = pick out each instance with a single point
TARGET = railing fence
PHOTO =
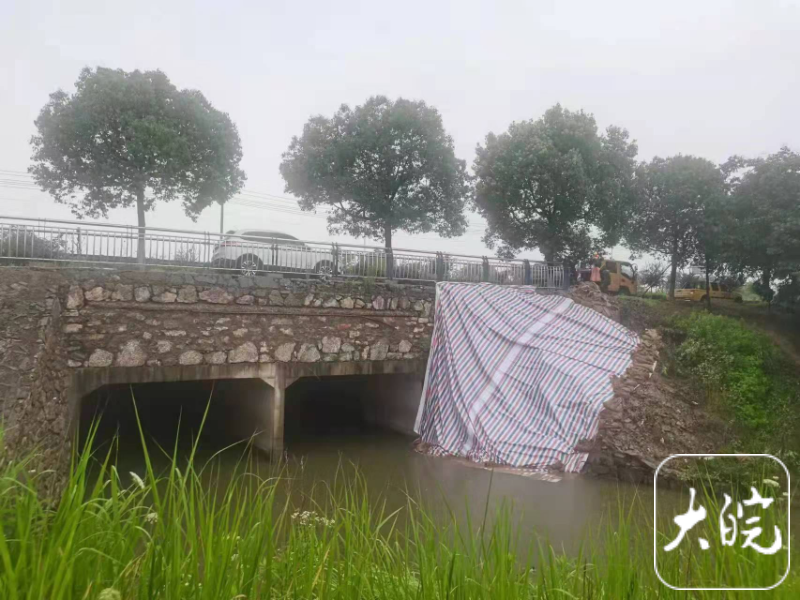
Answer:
(78, 243)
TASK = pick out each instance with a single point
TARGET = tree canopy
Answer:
(765, 206)
(555, 184)
(381, 167)
(133, 138)
(673, 216)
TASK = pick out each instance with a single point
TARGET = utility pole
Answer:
(221, 217)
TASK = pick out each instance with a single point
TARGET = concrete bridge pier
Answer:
(255, 410)
(278, 411)
(250, 409)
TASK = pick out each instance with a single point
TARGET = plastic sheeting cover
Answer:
(516, 377)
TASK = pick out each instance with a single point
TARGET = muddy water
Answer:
(322, 443)
(560, 511)
(563, 512)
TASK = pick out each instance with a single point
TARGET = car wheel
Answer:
(324, 267)
(703, 298)
(249, 265)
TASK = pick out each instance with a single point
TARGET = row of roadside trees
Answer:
(736, 220)
(555, 183)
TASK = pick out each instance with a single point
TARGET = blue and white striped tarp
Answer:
(516, 377)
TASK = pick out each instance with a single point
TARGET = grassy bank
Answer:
(741, 366)
(191, 534)
(744, 374)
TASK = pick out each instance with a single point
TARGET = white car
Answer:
(254, 250)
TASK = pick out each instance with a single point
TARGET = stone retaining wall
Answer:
(60, 327)
(33, 373)
(134, 319)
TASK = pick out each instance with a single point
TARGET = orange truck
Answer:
(616, 277)
(697, 292)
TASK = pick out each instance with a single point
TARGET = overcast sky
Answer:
(697, 77)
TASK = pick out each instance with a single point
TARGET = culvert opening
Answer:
(340, 406)
(237, 409)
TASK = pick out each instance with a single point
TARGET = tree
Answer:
(134, 138)
(765, 199)
(382, 167)
(652, 276)
(672, 198)
(556, 185)
(714, 225)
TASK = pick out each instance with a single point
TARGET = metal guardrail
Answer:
(75, 243)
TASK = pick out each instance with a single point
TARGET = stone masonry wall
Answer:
(33, 373)
(134, 319)
(54, 323)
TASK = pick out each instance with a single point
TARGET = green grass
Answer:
(746, 377)
(734, 367)
(653, 295)
(191, 533)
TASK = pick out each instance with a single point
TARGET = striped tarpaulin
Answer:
(516, 377)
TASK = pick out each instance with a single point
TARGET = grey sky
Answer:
(706, 78)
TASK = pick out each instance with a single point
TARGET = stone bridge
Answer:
(65, 333)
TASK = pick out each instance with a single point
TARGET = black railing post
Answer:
(485, 270)
(439, 266)
(566, 281)
(335, 256)
(526, 268)
(141, 246)
(389, 264)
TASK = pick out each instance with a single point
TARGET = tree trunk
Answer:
(673, 274)
(766, 278)
(387, 239)
(547, 253)
(708, 285)
(140, 250)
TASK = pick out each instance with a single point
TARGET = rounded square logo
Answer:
(728, 529)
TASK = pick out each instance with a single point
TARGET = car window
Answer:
(611, 266)
(627, 270)
(723, 287)
(714, 287)
(250, 236)
(266, 236)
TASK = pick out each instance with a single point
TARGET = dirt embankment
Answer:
(650, 417)
(589, 295)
